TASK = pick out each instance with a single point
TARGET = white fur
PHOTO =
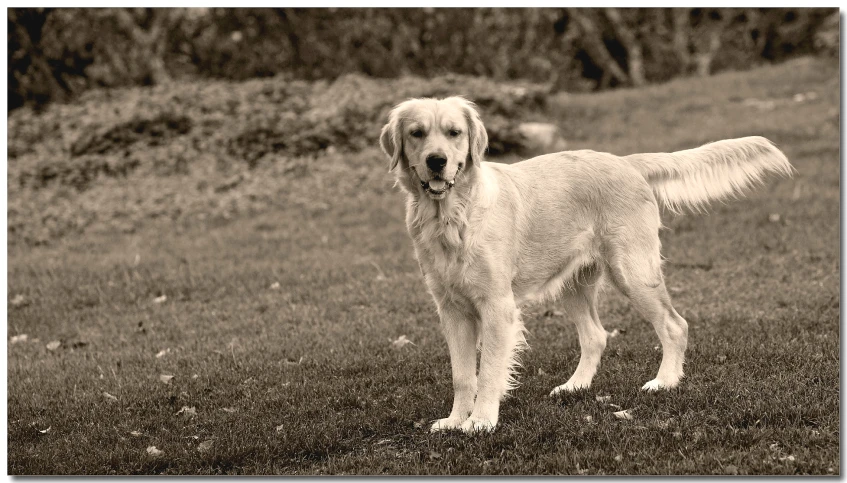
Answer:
(714, 171)
(550, 227)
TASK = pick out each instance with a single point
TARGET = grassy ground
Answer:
(278, 328)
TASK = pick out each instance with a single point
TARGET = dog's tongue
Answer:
(437, 185)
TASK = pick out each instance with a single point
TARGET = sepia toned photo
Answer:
(423, 241)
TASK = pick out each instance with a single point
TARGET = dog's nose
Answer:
(436, 162)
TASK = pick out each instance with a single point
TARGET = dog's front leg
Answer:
(502, 336)
(461, 334)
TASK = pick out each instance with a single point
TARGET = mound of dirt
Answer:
(201, 135)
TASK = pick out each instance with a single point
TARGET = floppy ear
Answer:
(391, 140)
(477, 136)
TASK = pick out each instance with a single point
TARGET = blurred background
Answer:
(55, 54)
(121, 115)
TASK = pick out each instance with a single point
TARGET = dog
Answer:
(490, 237)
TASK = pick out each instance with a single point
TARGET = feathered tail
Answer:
(714, 171)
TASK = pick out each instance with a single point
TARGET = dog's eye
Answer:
(454, 132)
(417, 133)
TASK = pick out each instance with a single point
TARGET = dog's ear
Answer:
(391, 140)
(477, 135)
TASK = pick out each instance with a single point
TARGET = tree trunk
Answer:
(635, 57)
(704, 59)
(709, 44)
(150, 42)
(681, 36)
(593, 42)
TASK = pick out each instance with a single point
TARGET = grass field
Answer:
(277, 328)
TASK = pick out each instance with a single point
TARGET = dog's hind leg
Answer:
(581, 306)
(635, 268)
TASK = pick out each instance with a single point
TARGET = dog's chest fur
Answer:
(447, 245)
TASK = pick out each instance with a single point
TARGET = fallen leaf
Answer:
(187, 411)
(618, 458)
(401, 342)
(614, 333)
(588, 418)
(614, 405)
(161, 299)
(51, 346)
(541, 372)
(109, 397)
(205, 446)
(275, 286)
(163, 353)
(19, 338)
(603, 399)
(165, 378)
(279, 428)
(136, 433)
(154, 451)
(625, 415)
(721, 358)
(195, 376)
(45, 431)
(18, 300)
(380, 274)
(766, 105)
(228, 410)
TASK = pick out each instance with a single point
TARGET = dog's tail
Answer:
(714, 171)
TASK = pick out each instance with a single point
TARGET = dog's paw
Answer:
(445, 424)
(567, 388)
(477, 425)
(657, 384)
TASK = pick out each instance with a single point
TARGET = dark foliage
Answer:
(154, 131)
(52, 58)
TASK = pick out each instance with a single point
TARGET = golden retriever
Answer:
(489, 237)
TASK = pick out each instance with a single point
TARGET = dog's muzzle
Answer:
(437, 186)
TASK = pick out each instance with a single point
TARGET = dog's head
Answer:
(433, 141)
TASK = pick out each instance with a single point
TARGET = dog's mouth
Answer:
(437, 188)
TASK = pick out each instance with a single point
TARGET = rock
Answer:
(541, 138)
